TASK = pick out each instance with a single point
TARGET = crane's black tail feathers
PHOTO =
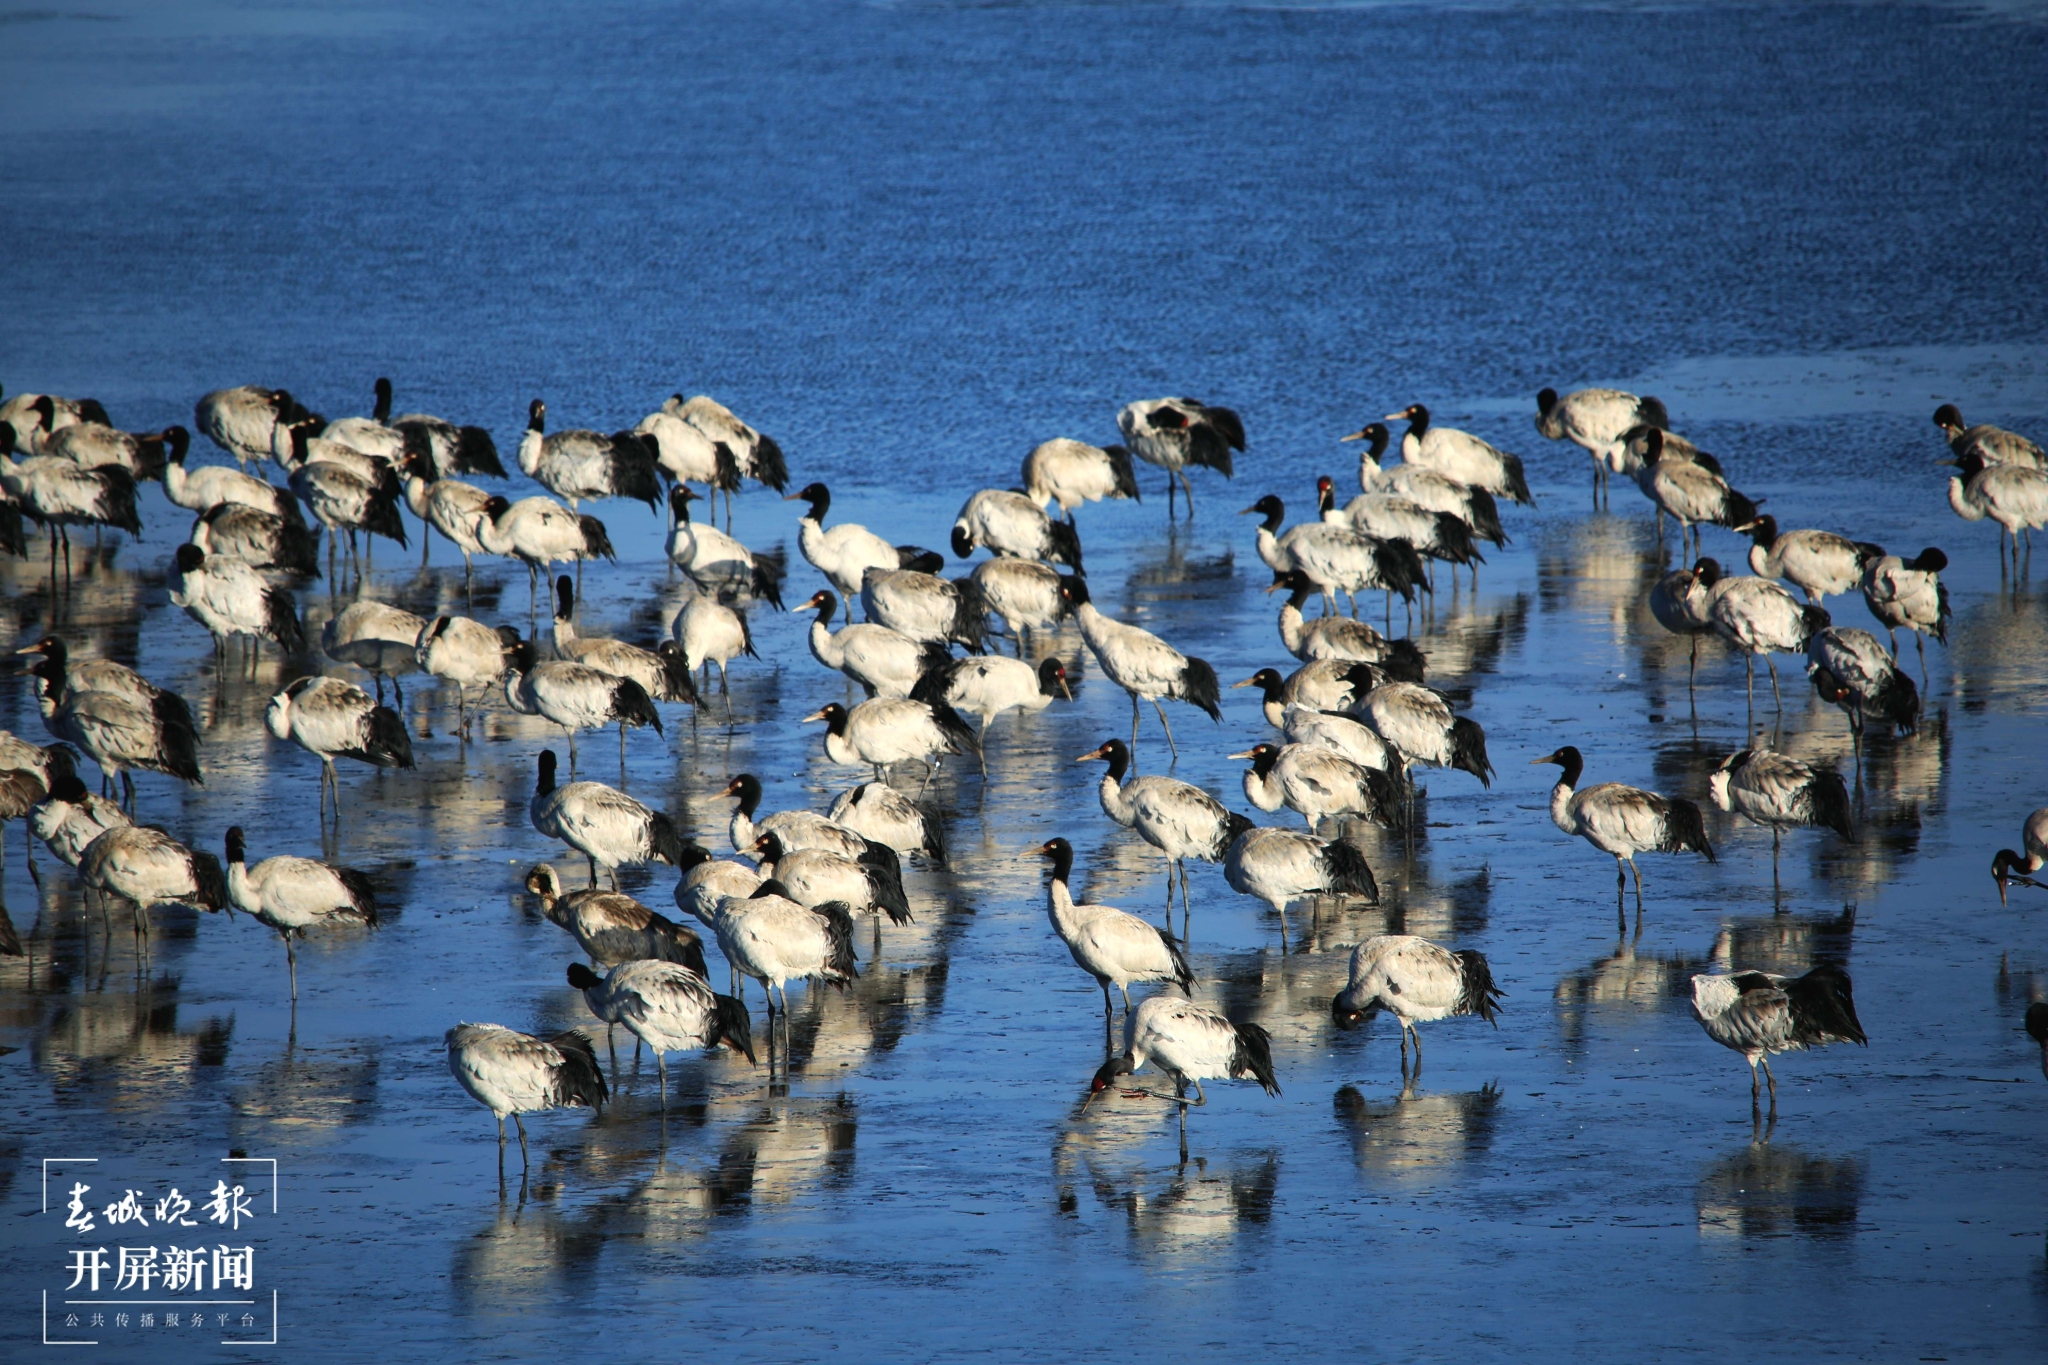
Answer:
(1209, 447)
(962, 738)
(880, 856)
(210, 883)
(1398, 567)
(477, 453)
(1385, 800)
(1828, 798)
(970, 615)
(838, 918)
(918, 558)
(1066, 544)
(1404, 661)
(170, 710)
(1468, 750)
(1485, 515)
(362, 897)
(1254, 1056)
(117, 499)
(178, 753)
(632, 706)
(578, 1081)
(677, 681)
(1347, 873)
(1454, 541)
(933, 684)
(387, 745)
(1480, 995)
(664, 840)
(10, 941)
(1182, 976)
(1235, 827)
(1898, 701)
(1198, 688)
(1652, 411)
(380, 513)
(769, 465)
(725, 468)
(1227, 423)
(1824, 1007)
(298, 550)
(1939, 630)
(634, 472)
(885, 885)
(1518, 483)
(770, 568)
(681, 946)
(734, 1024)
(1737, 509)
(597, 542)
(934, 830)
(1122, 475)
(12, 538)
(1685, 829)
(281, 620)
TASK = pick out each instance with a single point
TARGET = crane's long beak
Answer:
(1358, 435)
(815, 715)
(1092, 753)
(1547, 758)
(1246, 754)
(2001, 889)
(1395, 416)
(1249, 510)
(36, 648)
(1248, 682)
(793, 497)
(1746, 526)
(1949, 459)
(1064, 690)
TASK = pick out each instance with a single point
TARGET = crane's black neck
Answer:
(1119, 760)
(1264, 756)
(828, 607)
(1050, 671)
(382, 412)
(546, 782)
(1275, 514)
(749, 792)
(1062, 861)
(1418, 421)
(1573, 764)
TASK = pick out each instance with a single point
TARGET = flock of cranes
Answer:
(1353, 722)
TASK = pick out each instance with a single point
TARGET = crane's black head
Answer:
(834, 716)
(1073, 590)
(1949, 417)
(1270, 508)
(522, 657)
(1545, 401)
(1115, 751)
(565, 598)
(382, 388)
(1262, 756)
(177, 441)
(747, 788)
(1268, 681)
(1166, 419)
(536, 416)
(67, 787)
(1415, 415)
(1828, 686)
(1105, 1076)
(236, 847)
(189, 558)
(543, 881)
(963, 543)
(508, 636)
(920, 561)
(1326, 493)
(1568, 758)
(1052, 679)
(817, 495)
(582, 978)
(824, 601)
(771, 887)
(1707, 571)
(9, 438)
(1375, 435)
(546, 764)
(679, 499)
(1347, 1013)
(693, 855)
(1764, 530)
(768, 847)
(496, 505)
(1061, 854)
(1929, 560)
(50, 647)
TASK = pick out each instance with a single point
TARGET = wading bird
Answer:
(209, 486)
(258, 539)
(1191, 1043)
(1682, 602)
(1283, 866)
(1339, 637)
(707, 881)
(1760, 618)
(1995, 444)
(59, 495)
(292, 895)
(581, 464)
(1417, 982)
(662, 672)
(992, 684)
(715, 562)
(1110, 945)
(376, 637)
(1174, 433)
(1818, 563)
(772, 939)
(1623, 821)
(1418, 725)
(148, 868)
(1179, 819)
(540, 533)
(883, 815)
(575, 697)
(1909, 593)
(1011, 526)
(1073, 472)
(1855, 672)
(1025, 595)
(1597, 420)
(710, 630)
(1320, 784)
(755, 456)
(242, 420)
(451, 507)
(816, 876)
(608, 827)
(886, 663)
(883, 732)
(611, 927)
(1691, 493)
(1774, 789)
(517, 1073)
(1335, 558)
(1757, 1014)
(1144, 665)
(332, 719)
(1460, 455)
(2008, 866)
(229, 598)
(918, 603)
(2014, 496)
(799, 829)
(667, 1007)
(1425, 487)
(845, 553)
(1324, 685)
(70, 818)
(129, 725)
(467, 653)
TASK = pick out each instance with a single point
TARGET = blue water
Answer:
(911, 241)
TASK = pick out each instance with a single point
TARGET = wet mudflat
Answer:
(910, 242)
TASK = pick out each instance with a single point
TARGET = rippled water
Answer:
(910, 241)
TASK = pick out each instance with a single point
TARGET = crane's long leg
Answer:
(501, 1148)
(1749, 685)
(468, 583)
(1175, 748)
(1169, 517)
(1692, 672)
(1638, 873)
(1134, 729)
(1620, 891)
(661, 1069)
(1108, 1010)
(1771, 1079)
(1772, 664)
(291, 962)
(524, 1160)
(1920, 643)
(1186, 489)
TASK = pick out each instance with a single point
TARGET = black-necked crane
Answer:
(1416, 981)
(755, 456)
(580, 464)
(516, 1073)
(575, 696)
(292, 895)
(373, 435)
(1425, 487)
(885, 662)
(611, 927)
(449, 506)
(989, 685)
(1460, 455)
(1909, 593)
(1637, 452)
(1072, 472)
(609, 828)
(229, 598)
(881, 814)
(769, 937)
(376, 637)
(119, 720)
(1339, 637)
(95, 445)
(30, 775)
(1323, 685)
(242, 421)
(716, 562)
(1335, 558)
(685, 453)
(1144, 665)
(1391, 518)
(1285, 866)
(258, 539)
(1419, 726)
(2014, 496)
(1682, 602)
(1622, 821)
(918, 603)
(798, 829)
(1319, 784)
(1693, 494)
(66, 675)
(667, 1007)
(1758, 1013)
(209, 486)
(1820, 564)
(1760, 618)
(1010, 525)
(540, 533)
(662, 672)
(1995, 444)
(1111, 945)
(1177, 818)
(331, 719)
(1340, 733)
(1025, 595)
(69, 818)
(1854, 671)
(845, 553)
(59, 495)
(148, 868)
(1190, 1043)
(706, 881)
(449, 449)
(347, 494)
(467, 653)
(1597, 420)
(39, 415)
(1174, 433)
(2008, 866)
(1777, 790)
(711, 630)
(818, 876)
(886, 731)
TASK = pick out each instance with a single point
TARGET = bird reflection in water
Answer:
(1179, 1212)
(1417, 1131)
(1624, 980)
(1768, 1190)
(303, 1095)
(1783, 944)
(125, 1049)
(2023, 995)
